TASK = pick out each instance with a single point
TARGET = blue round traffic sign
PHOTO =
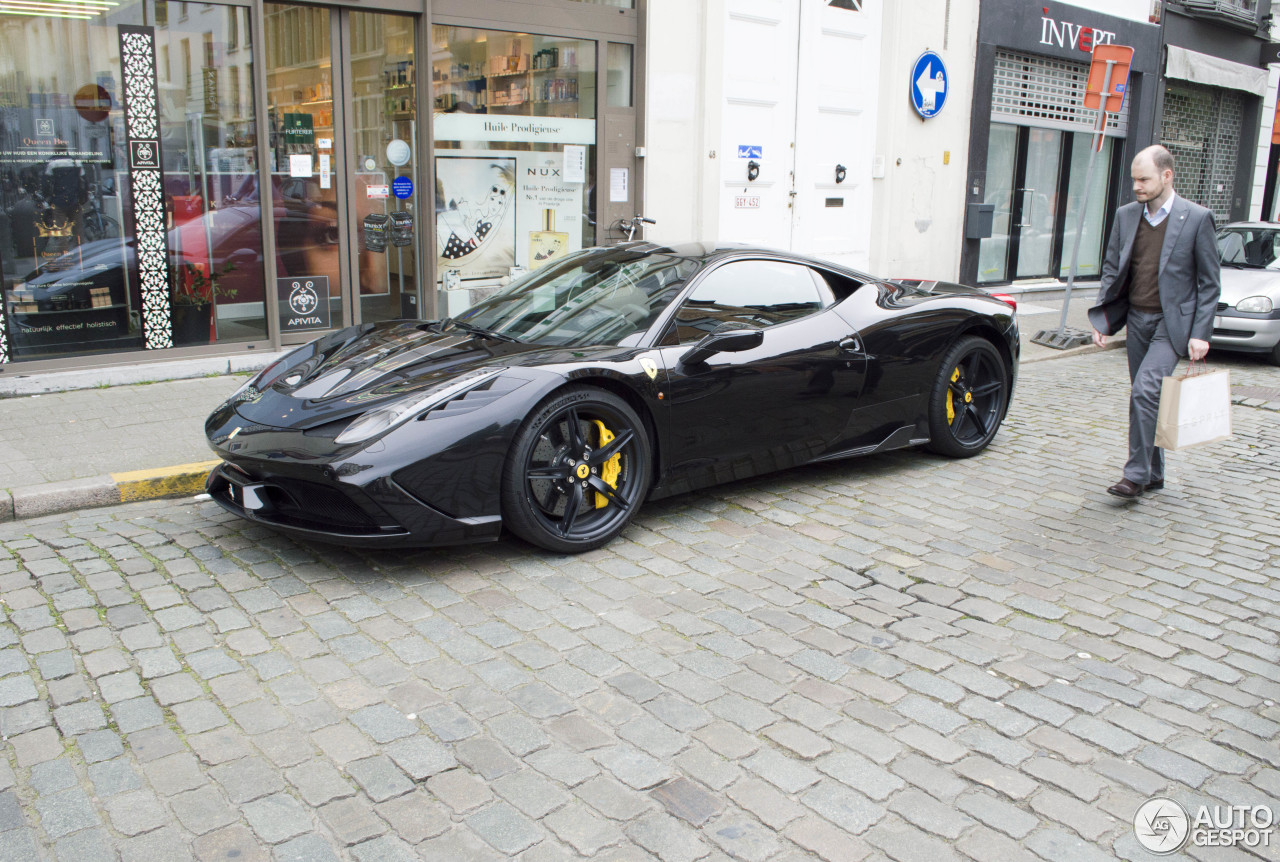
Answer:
(929, 84)
(402, 187)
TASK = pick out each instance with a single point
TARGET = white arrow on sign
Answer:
(930, 86)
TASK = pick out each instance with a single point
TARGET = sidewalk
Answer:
(112, 443)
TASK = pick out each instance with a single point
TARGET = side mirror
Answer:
(729, 340)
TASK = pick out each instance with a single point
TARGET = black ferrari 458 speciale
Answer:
(558, 405)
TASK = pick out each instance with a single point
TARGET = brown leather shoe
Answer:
(1126, 489)
(1157, 485)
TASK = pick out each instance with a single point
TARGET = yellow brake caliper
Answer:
(951, 407)
(610, 469)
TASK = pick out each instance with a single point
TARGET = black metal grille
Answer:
(1030, 90)
(1201, 127)
(306, 504)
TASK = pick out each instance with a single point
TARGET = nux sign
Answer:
(1065, 34)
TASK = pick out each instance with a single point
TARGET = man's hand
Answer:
(1197, 349)
(1099, 339)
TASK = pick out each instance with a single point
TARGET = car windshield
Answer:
(600, 296)
(1249, 248)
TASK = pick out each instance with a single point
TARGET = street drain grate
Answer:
(1262, 392)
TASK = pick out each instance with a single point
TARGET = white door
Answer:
(760, 48)
(800, 89)
(836, 128)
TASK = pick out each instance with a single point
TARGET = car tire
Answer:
(969, 398)
(1274, 355)
(544, 500)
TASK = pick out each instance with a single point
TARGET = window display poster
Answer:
(38, 135)
(475, 214)
(548, 210)
(56, 191)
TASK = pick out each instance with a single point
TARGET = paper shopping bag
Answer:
(1195, 409)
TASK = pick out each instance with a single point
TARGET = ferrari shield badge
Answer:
(650, 367)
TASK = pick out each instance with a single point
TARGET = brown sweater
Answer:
(1144, 266)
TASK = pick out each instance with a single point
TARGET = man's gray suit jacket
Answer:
(1190, 275)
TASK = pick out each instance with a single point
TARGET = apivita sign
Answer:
(1066, 34)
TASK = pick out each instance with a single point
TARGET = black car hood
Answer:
(363, 368)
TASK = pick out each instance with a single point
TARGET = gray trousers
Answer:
(1151, 359)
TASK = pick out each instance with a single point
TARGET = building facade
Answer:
(1213, 115)
(759, 125)
(183, 179)
(919, 166)
(1030, 136)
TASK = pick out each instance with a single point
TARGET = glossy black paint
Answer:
(847, 380)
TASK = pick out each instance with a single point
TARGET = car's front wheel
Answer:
(969, 398)
(578, 470)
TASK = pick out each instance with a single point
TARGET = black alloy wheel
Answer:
(579, 469)
(969, 398)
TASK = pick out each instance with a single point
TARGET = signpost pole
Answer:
(1095, 148)
(1109, 66)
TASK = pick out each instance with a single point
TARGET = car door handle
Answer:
(851, 344)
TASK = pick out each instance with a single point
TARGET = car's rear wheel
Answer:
(969, 398)
(579, 469)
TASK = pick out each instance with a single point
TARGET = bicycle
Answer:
(629, 226)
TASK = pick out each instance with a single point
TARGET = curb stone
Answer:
(109, 489)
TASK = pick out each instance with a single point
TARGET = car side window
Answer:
(755, 292)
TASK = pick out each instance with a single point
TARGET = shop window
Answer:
(68, 232)
(215, 235)
(515, 159)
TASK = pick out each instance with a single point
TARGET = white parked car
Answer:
(1248, 316)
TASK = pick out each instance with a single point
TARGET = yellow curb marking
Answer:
(176, 481)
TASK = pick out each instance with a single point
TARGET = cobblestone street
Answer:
(901, 657)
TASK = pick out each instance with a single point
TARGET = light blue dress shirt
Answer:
(1162, 213)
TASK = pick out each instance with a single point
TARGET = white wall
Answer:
(918, 206)
(682, 118)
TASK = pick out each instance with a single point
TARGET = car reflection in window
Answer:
(758, 293)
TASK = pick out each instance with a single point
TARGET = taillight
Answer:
(1006, 299)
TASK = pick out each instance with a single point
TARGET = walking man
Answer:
(1160, 278)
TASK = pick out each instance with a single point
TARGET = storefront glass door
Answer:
(1039, 202)
(340, 92)
(384, 151)
(1034, 227)
(1095, 217)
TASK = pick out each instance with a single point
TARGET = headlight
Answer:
(1255, 305)
(385, 418)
